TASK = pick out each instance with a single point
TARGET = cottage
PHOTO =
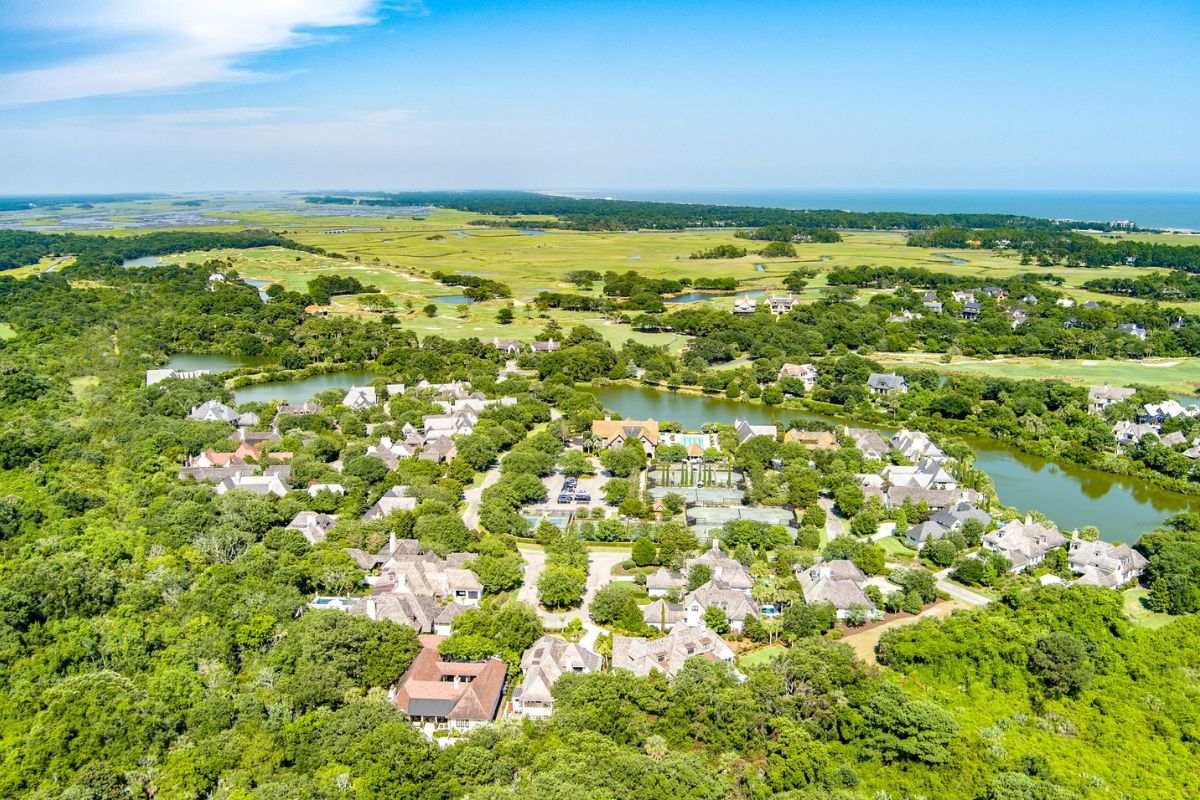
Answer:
(1104, 564)
(963, 297)
(1101, 397)
(304, 409)
(549, 346)
(1170, 409)
(869, 443)
(1064, 302)
(925, 532)
(360, 397)
(312, 525)
(745, 305)
(929, 474)
(662, 615)
(953, 517)
(995, 292)
(1024, 543)
(668, 654)
(258, 484)
(429, 575)
(442, 695)
(333, 488)
(971, 310)
(1017, 317)
(542, 665)
(214, 411)
(934, 305)
(917, 446)
(728, 570)
(614, 433)
(781, 305)
(660, 582)
(904, 316)
(440, 451)
(839, 583)
(886, 384)
(745, 431)
(805, 373)
(934, 499)
(1130, 433)
(717, 594)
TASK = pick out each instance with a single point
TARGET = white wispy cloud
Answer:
(167, 45)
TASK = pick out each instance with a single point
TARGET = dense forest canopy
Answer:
(1065, 247)
(593, 214)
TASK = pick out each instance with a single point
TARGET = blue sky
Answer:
(115, 95)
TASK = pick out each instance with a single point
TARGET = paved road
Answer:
(475, 494)
(600, 566)
(835, 526)
(957, 591)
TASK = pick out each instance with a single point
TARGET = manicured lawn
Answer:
(1139, 613)
(761, 656)
(894, 547)
(1173, 374)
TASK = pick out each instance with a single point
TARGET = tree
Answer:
(801, 620)
(902, 729)
(561, 587)
(626, 460)
(1061, 662)
(849, 499)
(631, 620)
(430, 310)
(504, 316)
(697, 576)
(714, 617)
(574, 464)
(941, 552)
(609, 602)
(1159, 599)
(615, 490)
(644, 551)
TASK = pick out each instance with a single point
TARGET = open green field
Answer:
(761, 656)
(1181, 375)
(1139, 613)
(6, 331)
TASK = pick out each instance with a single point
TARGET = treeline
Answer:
(25, 202)
(1049, 247)
(21, 248)
(476, 288)
(323, 287)
(619, 215)
(792, 234)
(720, 251)
(1177, 285)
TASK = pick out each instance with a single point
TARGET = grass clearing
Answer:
(761, 656)
(1139, 613)
(6, 331)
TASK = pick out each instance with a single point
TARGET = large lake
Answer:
(1122, 508)
(294, 391)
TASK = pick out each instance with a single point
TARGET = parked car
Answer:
(583, 497)
(565, 498)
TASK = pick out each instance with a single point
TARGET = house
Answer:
(394, 389)
(507, 346)
(440, 451)
(963, 297)
(660, 582)
(745, 305)
(333, 488)
(1029, 300)
(360, 397)
(154, 376)
(304, 409)
(839, 583)
(394, 499)
(1024, 544)
(806, 373)
(781, 305)
(934, 499)
(215, 474)
(994, 292)
(1104, 564)
(1171, 409)
(1064, 302)
(953, 517)
(614, 433)
(869, 443)
(925, 532)
(389, 452)
(437, 426)
(422, 613)
(1017, 317)
(549, 346)
(904, 316)
(1172, 439)
(1133, 329)
(1130, 433)
(668, 654)
(662, 615)
(312, 525)
(214, 411)
(813, 440)
(428, 574)
(929, 474)
(971, 310)
(245, 453)
(1091, 304)
(1101, 397)
(934, 305)
(258, 484)
(715, 593)
(886, 384)
(542, 665)
(728, 570)
(917, 446)
(442, 695)
(745, 431)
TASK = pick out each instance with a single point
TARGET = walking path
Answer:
(475, 494)
(835, 526)
(957, 591)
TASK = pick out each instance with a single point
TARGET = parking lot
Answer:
(587, 486)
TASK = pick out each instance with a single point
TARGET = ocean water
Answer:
(1147, 209)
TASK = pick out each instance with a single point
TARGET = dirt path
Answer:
(864, 643)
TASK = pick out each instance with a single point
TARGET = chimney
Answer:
(391, 542)
(372, 611)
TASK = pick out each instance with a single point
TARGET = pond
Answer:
(692, 297)
(453, 299)
(301, 389)
(951, 259)
(1122, 508)
(144, 261)
(260, 285)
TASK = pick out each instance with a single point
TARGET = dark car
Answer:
(565, 498)
(583, 497)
